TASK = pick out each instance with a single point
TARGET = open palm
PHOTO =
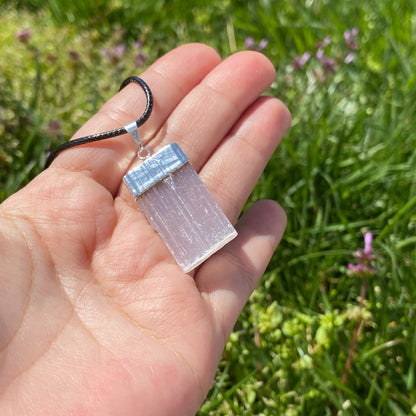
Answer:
(96, 318)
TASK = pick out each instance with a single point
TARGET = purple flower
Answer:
(361, 270)
(350, 37)
(249, 43)
(365, 256)
(140, 59)
(262, 44)
(23, 35)
(305, 57)
(356, 268)
(349, 34)
(324, 43)
(349, 58)
(300, 60)
(114, 54)
(54, 128)
(368, 239)
(327, 62)
(327, 40)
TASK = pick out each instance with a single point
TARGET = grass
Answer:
(346, 167)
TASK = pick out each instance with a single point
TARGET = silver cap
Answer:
(167, 160)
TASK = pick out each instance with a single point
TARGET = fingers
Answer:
(170, 78)
(209, 111)
(235, 167)
(229, 277)
(206, 115)
(197, 100)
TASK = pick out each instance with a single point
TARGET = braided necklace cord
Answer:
(112, 133)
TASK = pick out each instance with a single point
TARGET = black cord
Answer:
(112, 133)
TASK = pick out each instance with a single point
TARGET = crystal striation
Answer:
(180, 207)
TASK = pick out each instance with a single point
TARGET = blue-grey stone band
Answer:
(151, 171)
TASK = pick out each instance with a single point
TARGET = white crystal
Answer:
(181, 209)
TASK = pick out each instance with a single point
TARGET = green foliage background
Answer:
(346, 167)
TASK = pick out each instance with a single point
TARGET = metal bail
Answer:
(143, 152)
(134, 133)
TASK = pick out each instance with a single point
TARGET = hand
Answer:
(95, 316)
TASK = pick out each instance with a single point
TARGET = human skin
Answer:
(95, 316)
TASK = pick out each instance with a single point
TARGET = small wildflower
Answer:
(300, 60)
(356, 268)
(329, 65)
(327, 62)
(368, 239)
(324, 43)
(350, 37)
(349, 58)
(365, 256)
(23, 35)
(54, 128)
(327, 40)
(347, 35)
(361, 270)
(262, 44)
(140, 59)
(114, 53)
(320, 53)
(249, 43)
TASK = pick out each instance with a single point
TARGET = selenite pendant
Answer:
(179, 207)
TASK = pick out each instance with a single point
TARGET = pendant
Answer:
(179, 206)
(170, 193)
